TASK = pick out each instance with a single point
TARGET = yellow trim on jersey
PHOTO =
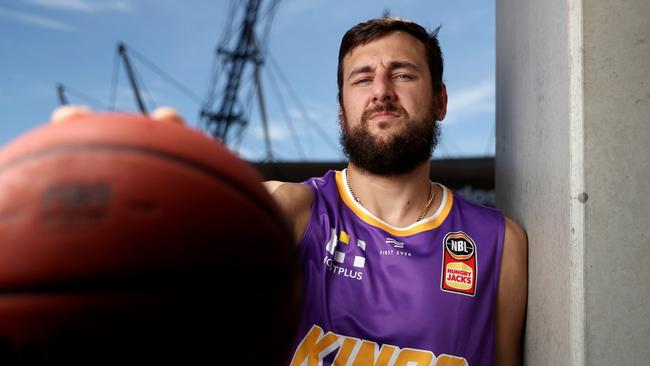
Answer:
(367, 217)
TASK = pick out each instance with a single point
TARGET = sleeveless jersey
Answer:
(376, 294)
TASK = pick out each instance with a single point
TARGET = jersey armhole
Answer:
(313, 213)
(501, 237)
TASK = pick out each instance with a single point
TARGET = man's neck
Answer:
(398, 200)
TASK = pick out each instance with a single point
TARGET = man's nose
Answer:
(383, 89)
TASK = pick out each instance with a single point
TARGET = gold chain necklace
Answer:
(426, 207)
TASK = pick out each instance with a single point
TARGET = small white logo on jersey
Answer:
(395, 243)
(399, 248)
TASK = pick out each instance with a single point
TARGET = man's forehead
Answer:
(394, 46)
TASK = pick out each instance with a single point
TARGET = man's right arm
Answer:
(295, 201)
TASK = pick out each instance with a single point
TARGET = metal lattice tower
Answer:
(229, 118)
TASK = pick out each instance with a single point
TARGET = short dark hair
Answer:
(364, 33)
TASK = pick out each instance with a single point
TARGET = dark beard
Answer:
(397, 155)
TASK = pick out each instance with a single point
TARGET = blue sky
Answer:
(44, 42)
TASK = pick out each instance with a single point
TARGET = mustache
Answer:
(383, 108)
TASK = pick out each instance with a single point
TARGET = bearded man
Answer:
(399, 270)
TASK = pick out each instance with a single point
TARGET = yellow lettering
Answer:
(446, 360)
(367, 352)
(314, 346)
(386, 355)
(344, 352)
(413, 357)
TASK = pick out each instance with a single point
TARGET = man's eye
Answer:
(362, 81)
(403, 77)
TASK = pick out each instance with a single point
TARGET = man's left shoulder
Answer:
(515, 236)
(515, 249)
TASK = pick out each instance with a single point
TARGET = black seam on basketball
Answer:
(156, 283)
(147, 151)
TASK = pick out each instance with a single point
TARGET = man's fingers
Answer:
(66, 112)
(167, 114)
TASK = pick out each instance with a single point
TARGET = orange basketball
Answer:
(129, 241)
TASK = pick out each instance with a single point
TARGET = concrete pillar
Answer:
(572, 167)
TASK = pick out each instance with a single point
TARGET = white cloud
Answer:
(298, 114)
(84, 6)
(37, 20)
(246, 153)
(276, 131)
(478, 98)
(468, 97)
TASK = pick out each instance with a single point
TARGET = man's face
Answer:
(388, 116)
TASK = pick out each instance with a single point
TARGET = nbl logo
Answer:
(459, 270)
(459, 246)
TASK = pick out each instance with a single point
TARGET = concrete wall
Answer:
(532, 184)
(573, 145)
(617, 179)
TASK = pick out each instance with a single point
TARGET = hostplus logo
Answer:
(342, 259)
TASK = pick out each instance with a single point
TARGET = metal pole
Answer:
(132, 80)
(61, 93)
(265, 123)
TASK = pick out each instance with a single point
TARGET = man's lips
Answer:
(384, 113)
(381, 116)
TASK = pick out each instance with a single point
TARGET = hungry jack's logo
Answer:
(459, 270)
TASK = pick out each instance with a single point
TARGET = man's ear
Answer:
(342, 120)
(442, 103)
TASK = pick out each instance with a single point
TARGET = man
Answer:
(399, 270)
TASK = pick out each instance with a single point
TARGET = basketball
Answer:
(125, 240)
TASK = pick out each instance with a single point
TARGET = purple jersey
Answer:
(376, 294)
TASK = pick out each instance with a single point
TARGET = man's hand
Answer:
(70, 112)
(294, 199)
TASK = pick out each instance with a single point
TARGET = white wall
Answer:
(573, 144)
